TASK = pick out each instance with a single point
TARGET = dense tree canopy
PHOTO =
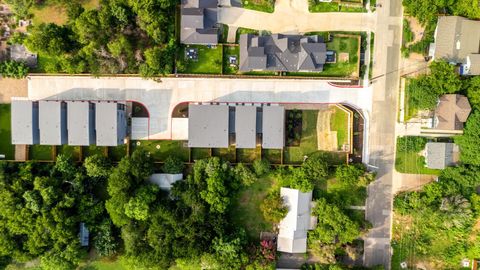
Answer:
(427, 10)
(468, 142)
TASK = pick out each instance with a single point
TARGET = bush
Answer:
(273, 208)
(315, 167)
(244, 175)
(173, 165)
(411, 144)
(261, 167)
(350, 174)
(13, 69)
(104, 240)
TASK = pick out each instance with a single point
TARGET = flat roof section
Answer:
(246, 126)
(208, 126)
(273, 127)
(52, 122)
(110, 123)
(80, 123)
(24, 121)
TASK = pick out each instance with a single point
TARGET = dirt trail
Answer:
(327, 139)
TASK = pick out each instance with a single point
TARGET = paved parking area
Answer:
(292, 16)
(161, 97)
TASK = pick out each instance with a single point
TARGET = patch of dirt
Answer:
(416, 28)
(327, 139)
(21, 152)
(12, 88)
(343, 57)
(413, 182)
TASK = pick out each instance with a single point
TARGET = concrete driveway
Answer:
(292, 16)
(160, 98)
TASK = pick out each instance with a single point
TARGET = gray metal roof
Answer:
(456, 37)
(52, 122)
(292, 237)
(282, 53)
(273, 127)
(245, 126)
(208, 126)
(80, 123)
(198, 22)
(24, 121)
(110, 123)
(440, 155)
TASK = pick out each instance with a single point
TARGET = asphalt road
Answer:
(382, 132)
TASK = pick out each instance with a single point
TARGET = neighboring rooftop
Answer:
(292, 236)
(452, 112)
(198, 22)
(208, 126)
(52, 122)
(440, 155)
(282, 52)
(165, 180)
(456, 39)
(273, 127)
(80, 123)
(245, 126)
(20, 53)
(24, 121)
(110, 123)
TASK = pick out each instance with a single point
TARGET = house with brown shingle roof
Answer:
(457, 40)
(452, 112)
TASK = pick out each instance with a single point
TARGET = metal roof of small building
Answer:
(273, 127)
(80, 123)
(440, 155)
(24, 121)
(52, 122)
(208, 126)
(110, 123)
(292, 237)
(245, 126)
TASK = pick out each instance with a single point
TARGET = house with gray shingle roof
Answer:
(439, 155)
(198, 22)
(457, 40)
(282, 53)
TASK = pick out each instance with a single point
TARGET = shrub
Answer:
(173, 165)
(13, 69)
(244, 175)
(273, 208)
(350, 174)
(315, 167)
(261, 167)
(411, 144)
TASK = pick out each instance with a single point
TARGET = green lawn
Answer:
(103, 265)
(227, 52)
(410, 162)
(6, 147)
(315, 6)
(209, 60)
(200, 153)
(247, 155)
(246, 211)
(260, 5)
(73, 151)
(40, 152)
(117, 153)
(348, 45)
(274, 156)
(93, 150)
(348, 195)
(46, 64)
(308, 141)
(411, 110)
(227, 154)
(161, 150)
(339, 123)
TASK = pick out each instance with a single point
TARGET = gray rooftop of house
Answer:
(24, 121)
(52, 122)
(282, 52)
(19, 53)
(245, 126)
(208, 126)
(273, 127)
(456, 37)
(198, 22)
(110, 123)
(440, 155)
(80, 123)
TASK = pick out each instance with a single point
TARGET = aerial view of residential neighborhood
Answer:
(239, 134)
